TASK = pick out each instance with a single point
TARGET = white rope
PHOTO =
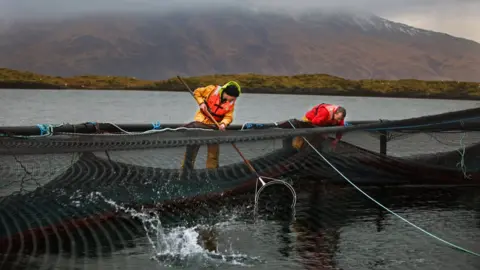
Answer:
(384, 207)
(50, 130)
(151, 131)
(243, 126)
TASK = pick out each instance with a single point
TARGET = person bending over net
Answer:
(323, 115)
(219, 101)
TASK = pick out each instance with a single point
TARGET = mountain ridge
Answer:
(241, 41)
(300, 84)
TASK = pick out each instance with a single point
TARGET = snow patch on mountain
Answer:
(372, 22)
(365, 21)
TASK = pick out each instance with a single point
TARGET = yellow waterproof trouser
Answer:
(298, 141)
(213, 152)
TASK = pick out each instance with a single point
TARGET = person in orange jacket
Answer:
(219, 101)
(324, 115)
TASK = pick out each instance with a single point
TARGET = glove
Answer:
(334, 144)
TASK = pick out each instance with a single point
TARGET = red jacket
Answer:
(322, 115)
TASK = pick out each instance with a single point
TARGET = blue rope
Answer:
(156, 125)
(44, 129)
(252, 125)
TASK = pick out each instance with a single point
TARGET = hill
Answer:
(317, 84)
(220, 41)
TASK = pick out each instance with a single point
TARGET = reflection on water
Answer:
(335, 227)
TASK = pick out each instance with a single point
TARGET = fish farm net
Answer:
(56, 178)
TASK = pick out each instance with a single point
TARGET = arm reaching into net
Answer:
(339, 134)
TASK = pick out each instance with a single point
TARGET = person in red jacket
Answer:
(324, 115)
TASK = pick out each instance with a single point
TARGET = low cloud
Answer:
(456, 17)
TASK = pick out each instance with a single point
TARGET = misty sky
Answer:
(456, 17)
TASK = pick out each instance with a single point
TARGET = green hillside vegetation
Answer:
(317, 84)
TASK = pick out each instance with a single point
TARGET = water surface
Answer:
(334, 228)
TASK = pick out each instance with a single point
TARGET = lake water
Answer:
(335, 227)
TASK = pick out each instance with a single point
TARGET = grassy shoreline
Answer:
(314, 84)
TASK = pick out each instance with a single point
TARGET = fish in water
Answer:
(207, 238)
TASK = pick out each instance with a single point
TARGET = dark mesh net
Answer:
(64, 178)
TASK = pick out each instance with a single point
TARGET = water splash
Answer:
(179, 246)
